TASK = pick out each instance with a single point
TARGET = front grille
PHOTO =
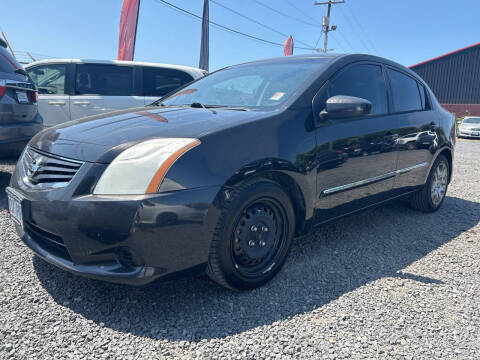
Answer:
(475, 129)
(48, 241)
(45, 170)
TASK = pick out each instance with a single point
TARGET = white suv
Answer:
(70, 89)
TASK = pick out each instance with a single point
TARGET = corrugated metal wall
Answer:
(455, 78)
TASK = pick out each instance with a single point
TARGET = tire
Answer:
(425, 200)
(252, 237)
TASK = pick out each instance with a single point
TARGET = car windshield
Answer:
(472, 120)
(253, 85)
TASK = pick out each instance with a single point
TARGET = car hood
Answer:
(100, 138)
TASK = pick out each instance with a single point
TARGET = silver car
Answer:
(470, 127)
(70, 89)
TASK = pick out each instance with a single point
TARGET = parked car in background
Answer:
(19, 118)
(70, 89)
(222, 174)
(470, 127)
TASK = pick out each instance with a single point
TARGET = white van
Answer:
(71, 88)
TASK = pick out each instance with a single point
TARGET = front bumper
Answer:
(124, 239)
(468, 133)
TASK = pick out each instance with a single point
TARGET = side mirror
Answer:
(341, 106)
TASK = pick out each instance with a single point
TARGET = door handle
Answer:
(56, 103)
(81, 103)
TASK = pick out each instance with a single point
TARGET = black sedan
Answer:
(221, 175)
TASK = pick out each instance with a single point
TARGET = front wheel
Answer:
(431, 196)
(252, 237)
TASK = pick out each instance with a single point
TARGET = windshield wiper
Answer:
(200, 105)
(237, 108)
(223, 107)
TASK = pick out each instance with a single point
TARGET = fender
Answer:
(298, 183)
(443, 149)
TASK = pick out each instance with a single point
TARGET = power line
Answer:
(285, 15)
(304, 13)
(179, 9)
(257, 22)
(357, 34)
(338, 42)
(361, 28)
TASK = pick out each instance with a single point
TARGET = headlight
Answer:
(141, 168)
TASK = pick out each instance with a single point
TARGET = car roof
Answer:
(333, 57)
(189, 69)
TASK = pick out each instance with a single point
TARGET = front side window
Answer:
(108, 80)
(406, 96)
(364, 81)
(50, 79)
(159, 81)
(254, 85)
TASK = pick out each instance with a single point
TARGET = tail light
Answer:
(33, 96)
(2, 88)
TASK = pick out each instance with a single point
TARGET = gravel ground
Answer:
(388, 283)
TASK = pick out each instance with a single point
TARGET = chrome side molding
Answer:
(372, 180)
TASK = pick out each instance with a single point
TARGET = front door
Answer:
(102, 88)
(53, 102)
(356, 157)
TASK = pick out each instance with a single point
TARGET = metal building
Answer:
(455, 79)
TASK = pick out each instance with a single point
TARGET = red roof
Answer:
(441, 56)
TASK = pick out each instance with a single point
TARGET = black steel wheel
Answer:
(258, 238)
(253, 236)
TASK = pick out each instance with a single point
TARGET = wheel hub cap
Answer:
(255, 235)
(439, 184)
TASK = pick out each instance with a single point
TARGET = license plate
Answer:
(22, 97)
(15, 208)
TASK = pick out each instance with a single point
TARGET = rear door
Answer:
(158, 82)
(355, 156)
(53, 99)
(101, 88)
(418, 129)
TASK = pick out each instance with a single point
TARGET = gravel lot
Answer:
(388, 283)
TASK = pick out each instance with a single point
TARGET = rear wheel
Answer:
(431, 196)
(252, 237)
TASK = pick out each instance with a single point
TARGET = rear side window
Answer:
(159, 82)
(406, 96)
(50, 79)
(363, 81)
(108, 80)
(8, 63)
(424, 97)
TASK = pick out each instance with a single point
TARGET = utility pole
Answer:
(326, 21)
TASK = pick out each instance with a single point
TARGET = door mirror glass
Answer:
(342, 106)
